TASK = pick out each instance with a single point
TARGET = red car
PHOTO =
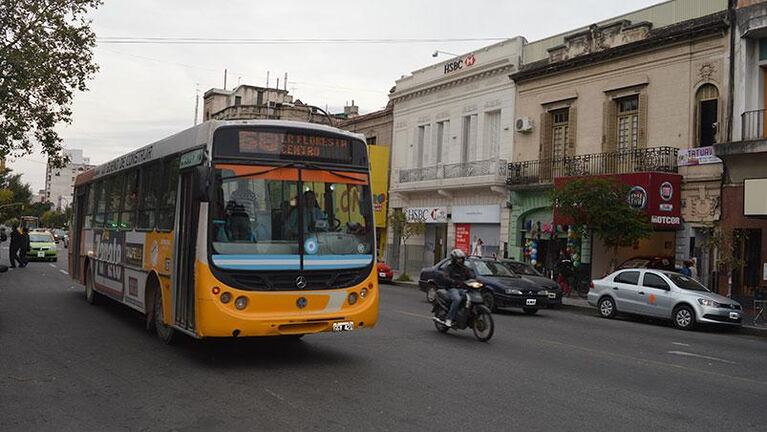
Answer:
(384, 271)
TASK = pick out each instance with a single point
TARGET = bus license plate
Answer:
(343, 326)
(530, 302)
(41, 254)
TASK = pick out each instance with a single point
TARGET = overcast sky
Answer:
(145, 92)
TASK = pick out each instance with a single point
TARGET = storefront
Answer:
(477, 229)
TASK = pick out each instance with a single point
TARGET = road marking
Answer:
(64, 272)
(680, 344)
(655, 362)
(52, 265)
(415, 315)
(689, 354)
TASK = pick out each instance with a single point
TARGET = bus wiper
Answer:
(267, 171)
(343, 175)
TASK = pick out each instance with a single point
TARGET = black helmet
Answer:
(456, 255)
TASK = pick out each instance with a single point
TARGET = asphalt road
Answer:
(69, 366)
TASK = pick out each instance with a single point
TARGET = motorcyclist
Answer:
(457, 274)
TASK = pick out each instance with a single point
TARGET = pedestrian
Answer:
(686, 268)
(477, 249)
(25, 246)
(13, 248)
(694, 268)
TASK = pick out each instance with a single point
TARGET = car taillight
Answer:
(591, 285)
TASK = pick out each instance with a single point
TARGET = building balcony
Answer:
(543, 172)
(752, 125)
(490, 172)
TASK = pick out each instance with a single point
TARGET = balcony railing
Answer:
(658, 159)
(753, 125)
(490, 167)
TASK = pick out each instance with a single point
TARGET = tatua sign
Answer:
(426, 214)
(459, 64)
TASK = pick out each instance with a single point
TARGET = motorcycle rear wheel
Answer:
(441, 327)
(483, 325)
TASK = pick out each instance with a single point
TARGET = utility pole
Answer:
(196, 102)
(224, 79)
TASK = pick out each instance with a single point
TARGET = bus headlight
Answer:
(241, 302)
(364, 292)
(226, 298)
(352, 298)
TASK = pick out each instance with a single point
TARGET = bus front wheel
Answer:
(166, 333)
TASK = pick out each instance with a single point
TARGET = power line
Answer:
(279, 41)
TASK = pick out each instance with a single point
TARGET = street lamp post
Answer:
(436, 53)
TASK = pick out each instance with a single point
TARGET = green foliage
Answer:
(53, 219)
(407, 230)
(15, 195)
(46, 53)
(600, 205)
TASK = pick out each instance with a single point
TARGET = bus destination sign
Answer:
(295, 146)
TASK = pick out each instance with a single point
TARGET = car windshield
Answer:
(259, 211)
(489, 268)
(686, 282)
(40, 237)
(521, 268)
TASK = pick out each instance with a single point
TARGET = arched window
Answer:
(707, 115)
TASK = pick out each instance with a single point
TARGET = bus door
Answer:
(76, 232)
(185, 242)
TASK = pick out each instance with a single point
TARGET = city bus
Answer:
(233, 229)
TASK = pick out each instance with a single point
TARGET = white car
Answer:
(662, 294)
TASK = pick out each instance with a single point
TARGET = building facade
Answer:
(743, 230)
(452, 139)
(635, 98)
(59, 182)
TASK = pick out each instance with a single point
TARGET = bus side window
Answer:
(98, 214)
(150, 184)
(167, 213)
(115, 188)
(128, 208)
(91, 205)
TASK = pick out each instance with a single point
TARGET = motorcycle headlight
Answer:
(513, 291)
(475, 284)
(708, 302)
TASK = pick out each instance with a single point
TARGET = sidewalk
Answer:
(581, 305)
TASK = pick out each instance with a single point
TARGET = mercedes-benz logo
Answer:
(301, 282)
(301, 302)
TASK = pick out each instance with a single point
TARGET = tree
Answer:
(601, 206)
(406, 229)
(46, 53)
(13, 191)
(53, 219)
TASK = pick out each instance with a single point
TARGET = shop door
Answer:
(185, 239)
(440, 243)
(708, 111)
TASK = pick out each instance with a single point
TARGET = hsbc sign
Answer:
(426, 214)
(459, 64)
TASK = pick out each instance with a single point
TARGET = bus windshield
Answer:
(272, 218)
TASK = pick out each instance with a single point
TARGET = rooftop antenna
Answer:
(267, 79)
(278, 83)
(286, 81)
(224, 79)
(196, 102)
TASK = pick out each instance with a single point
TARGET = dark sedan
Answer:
(502, 287)
(529, 272)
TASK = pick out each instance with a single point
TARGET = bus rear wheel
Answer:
(166, 333)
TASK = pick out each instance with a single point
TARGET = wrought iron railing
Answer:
(658, 159)
(752, 123)
(490, 167)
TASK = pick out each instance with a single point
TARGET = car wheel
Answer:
(607, 307)
(684, 318)
(530, 311)
(431, 293)
(166, 333)
(489, 301)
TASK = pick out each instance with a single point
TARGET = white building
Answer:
(453, 136)
(59, 182)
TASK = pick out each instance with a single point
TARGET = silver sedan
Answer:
(662, 294)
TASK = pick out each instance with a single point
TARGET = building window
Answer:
(763, 49)
(443, 129)
(492, 139)
(468, 137)
(371, 140)
(237, 100)
(421, 139)
(707, 113)
(627, 123)
(560, 132)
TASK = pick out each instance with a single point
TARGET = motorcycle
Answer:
(473, 312)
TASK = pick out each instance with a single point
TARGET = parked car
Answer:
(502, 288)
(662, 294)
(649, 262)
(529, 272)
(42, 246)
(58, 234)
(385, 273)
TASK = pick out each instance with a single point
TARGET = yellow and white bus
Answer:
(233, 228)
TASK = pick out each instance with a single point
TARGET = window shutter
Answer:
(609, 129)
(642, 137)
(546, 136)
(572, 125)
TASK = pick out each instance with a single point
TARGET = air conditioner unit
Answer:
(523, 125)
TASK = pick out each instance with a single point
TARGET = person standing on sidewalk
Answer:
(13, 248)
(25, 246)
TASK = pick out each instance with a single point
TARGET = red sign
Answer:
(656, 194)
(463, 237)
